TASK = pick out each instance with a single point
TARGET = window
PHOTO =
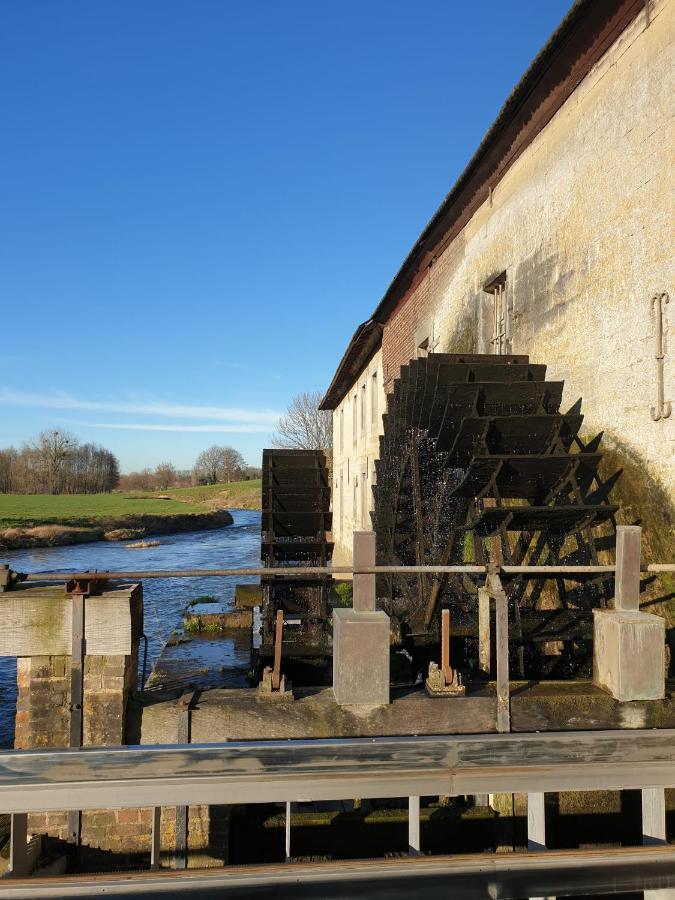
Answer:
(342, 508)
(373, 399)
(500, 341)
(423, 348)
(354, 418)
(342, 428)
(364, 495)
(363, 408)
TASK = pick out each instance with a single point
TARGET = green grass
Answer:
(205, 492)
(18, 510)
(26, 510)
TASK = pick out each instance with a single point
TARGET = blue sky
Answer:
(200, 200)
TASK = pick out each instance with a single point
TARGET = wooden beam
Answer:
(414, 846)
(484, 630)
(38, 621)
(653, 816)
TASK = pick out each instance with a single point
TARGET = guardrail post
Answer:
(414, 826)
(156, 846)
(18, 848)
(653, 816)
(288, 831)
(536, 822)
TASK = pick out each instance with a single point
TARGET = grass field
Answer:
(26, 510)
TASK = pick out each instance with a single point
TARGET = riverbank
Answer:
(45, 520)
(123, 528)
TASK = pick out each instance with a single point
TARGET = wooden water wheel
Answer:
(477, 463)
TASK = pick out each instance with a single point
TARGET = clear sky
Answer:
(201, 199)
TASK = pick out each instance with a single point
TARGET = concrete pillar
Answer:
(287, 831)
(627, 577)
(361, 639)
(364, 585)
(628, 645)
(414, 845)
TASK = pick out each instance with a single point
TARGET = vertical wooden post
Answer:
(653, 816)
(414, 826)
(18, 848)
(78, 651)
(536, 822)
(185, 705)
(156, 846)
(364, 585)
(484, 630)
(627, 577)
(288, 831)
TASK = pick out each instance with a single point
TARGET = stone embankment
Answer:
(119, 528)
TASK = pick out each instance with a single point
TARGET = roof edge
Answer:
(365, 340)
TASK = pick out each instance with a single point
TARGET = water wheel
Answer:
(477, 463)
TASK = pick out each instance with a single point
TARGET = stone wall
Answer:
(355, 450)
(581, 224)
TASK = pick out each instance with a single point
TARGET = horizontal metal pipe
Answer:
(478, 875)
(536, 571)
(335, 769)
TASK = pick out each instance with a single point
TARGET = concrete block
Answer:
(360, 657)
(629, 654)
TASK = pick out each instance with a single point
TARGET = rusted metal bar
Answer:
(278, 637)
(446, 668)
(542, 571)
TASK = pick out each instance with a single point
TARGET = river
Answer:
(236, 545)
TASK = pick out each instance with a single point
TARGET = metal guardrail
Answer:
(295, 770)
(505, 876)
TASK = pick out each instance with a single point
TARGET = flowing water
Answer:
(236, 546)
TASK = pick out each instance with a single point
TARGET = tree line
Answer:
(57, 463)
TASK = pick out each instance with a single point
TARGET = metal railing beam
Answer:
(280, 771)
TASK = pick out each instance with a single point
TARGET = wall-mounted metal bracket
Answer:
(663, 408)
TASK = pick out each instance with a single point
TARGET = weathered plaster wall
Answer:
(582, 224)
(357, 425)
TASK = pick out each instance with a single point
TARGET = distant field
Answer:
(237, 493)
(18, 510)
(25, 510)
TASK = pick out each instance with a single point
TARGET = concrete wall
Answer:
(357, 425)
(582, 225)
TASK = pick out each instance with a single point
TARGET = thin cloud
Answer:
(179, 426)
(61, 400)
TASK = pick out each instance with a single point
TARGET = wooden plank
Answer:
(38, 622)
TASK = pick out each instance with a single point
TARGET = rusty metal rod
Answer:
(542, 571)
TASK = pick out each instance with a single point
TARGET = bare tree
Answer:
(56, 463)
(218, 464)
(305, 426)
(165, 475)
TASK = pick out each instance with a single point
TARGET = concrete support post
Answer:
(361, 638)
(364, 585)
(653, 816)
(18, 848)
(414, 826)
(627, 577)
(484, 630)
(628, 645)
